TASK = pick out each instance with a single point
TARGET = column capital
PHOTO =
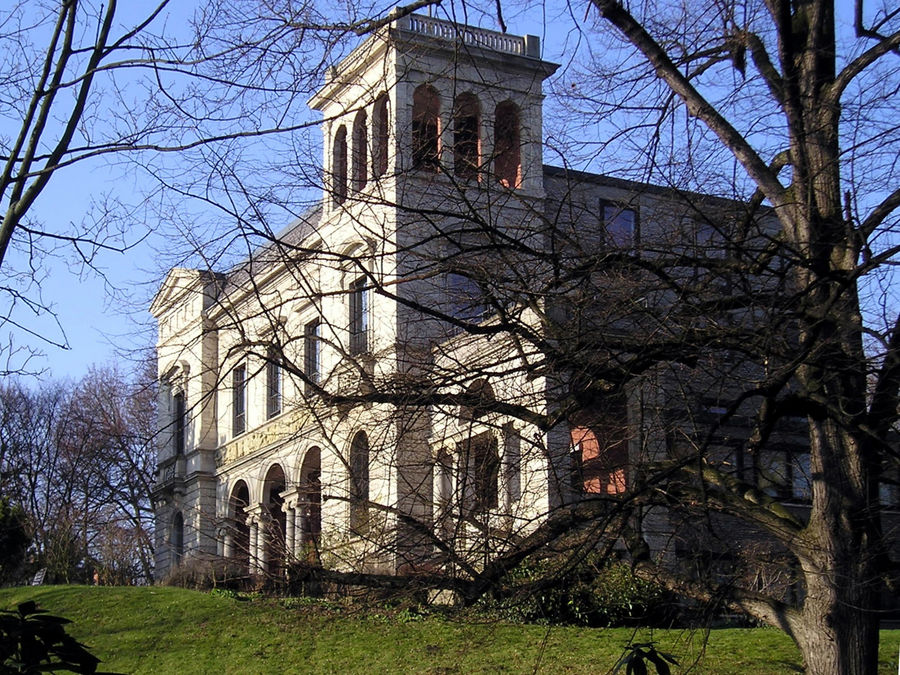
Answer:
(292, 497)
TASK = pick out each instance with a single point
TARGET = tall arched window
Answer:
(359, 483)
(426, 128)
(237, 511)
(360, 151)
(481, 458)
(380, 131)
(311, 504)
(466, 136)
(600, 449)
(507, 149)
(339, 166)
(177, 539)
(277, 527)
(180, 413)
(443, 493)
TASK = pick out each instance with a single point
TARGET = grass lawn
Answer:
(170, 630)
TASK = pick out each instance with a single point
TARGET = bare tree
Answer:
(81, 461)
(719, 339)
(813, 167)
(100, 88)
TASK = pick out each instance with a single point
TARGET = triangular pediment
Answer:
(178, 282)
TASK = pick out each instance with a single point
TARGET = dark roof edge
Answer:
(635, 186)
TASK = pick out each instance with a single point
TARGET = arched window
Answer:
(238, 400)
(360, 151)
(339, 166)
(277, 528)
(481, 457)
(600, 449)
(479, 398)
(507, 149)
(237, 514)
(273, 382)
(426, 129)
(380, 132)
(311, 504)
(180, 413)
(359, 483)
(443, 493)
(177, 539)
(466, 136)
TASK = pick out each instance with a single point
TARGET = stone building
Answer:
(372, 381)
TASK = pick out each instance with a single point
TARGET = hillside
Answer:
(169, 630)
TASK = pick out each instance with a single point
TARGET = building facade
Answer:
(372, 390)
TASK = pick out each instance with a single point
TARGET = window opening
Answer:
(380, 132)
(507, 145)
(276, 528)
(310, 504)
(360, 151)
(238, 400)
(484, 472)
(620, 224)
(339, 166)
(273, 383)
(359, 317)
(600, 451)
(466, 136)
(466, 298)
(240, 501)
(177, 539)
(359, 483)
(180, 422)
(312, 354)
(426, 128)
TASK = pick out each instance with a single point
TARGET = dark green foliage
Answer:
(593, 593)
(637, 656)
(32, 641)
(14, 541)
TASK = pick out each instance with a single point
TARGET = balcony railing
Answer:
(478, 37)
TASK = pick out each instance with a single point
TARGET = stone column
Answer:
(221, 533)
(258, 520)
(292, 514)
(290, 531)
(227, 540)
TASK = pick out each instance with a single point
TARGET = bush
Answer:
(596, 592)
(32, 641)
(205, 575)
(14, 541)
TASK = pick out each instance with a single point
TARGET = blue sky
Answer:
(103, 313)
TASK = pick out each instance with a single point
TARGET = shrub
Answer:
(596, 592)
(204, 575)
(32, 641)
(14, 541)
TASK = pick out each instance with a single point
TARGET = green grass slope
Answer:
(168, 630)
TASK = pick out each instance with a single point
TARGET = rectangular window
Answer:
(801, 476)
(273, 384)
(480, 456)
(620, 224)
(486, 464)
(312, 354)
(889, 494)
(238, 400)
(359, 317)
(180, 413)
(784, 475)
(465, 298)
